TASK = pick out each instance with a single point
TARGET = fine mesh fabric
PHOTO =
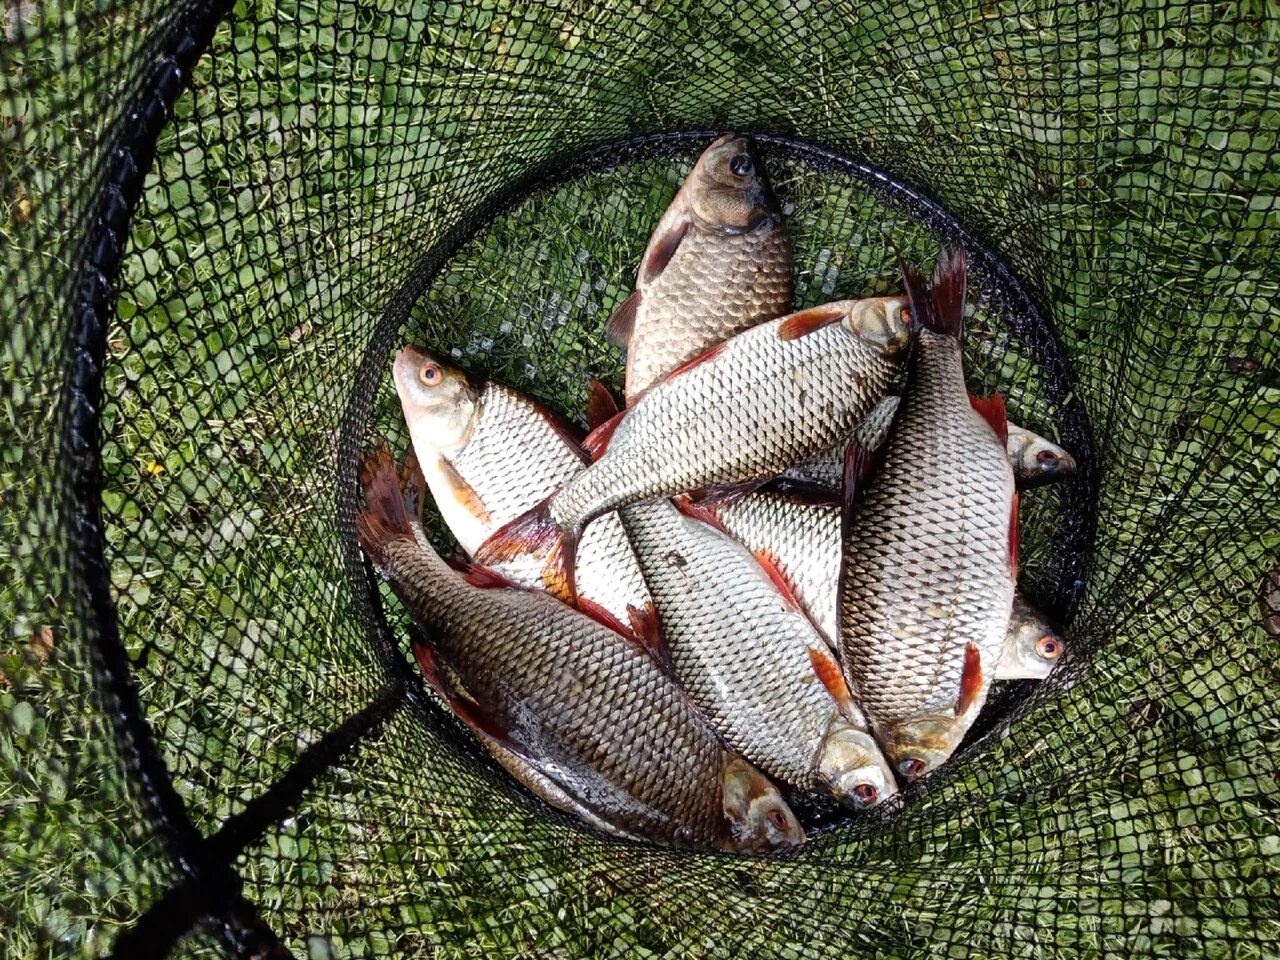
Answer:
(221, 218)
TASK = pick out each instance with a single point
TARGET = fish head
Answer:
(759, 819)
(921, 745)
(727, 190)
(1033, 647)
(854, 768)
(1037, 460)
(884, 321)
(441, 406)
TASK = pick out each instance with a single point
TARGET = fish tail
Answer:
(383, 519)
(535, 533)
(939, 305)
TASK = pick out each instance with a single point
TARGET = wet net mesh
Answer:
(219, 220)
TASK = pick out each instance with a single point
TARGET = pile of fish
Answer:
(766, 576)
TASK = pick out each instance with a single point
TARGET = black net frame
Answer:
(1126, 806)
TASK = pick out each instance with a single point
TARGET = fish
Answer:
(593, 723)
(740, 412)
(749, 658)
(1032, 648)
(489, 454)
(1035, 459)
(797, 531)
(929, 545)
(718, 262)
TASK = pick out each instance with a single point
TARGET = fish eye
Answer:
(777, 820)
(1048, 647)
(1046, 457)
(430, 374)
(865, 794)
(911, 767)
(741, 165)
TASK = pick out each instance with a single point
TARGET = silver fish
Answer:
(742, 411)
(488, 455)
(929, 547)
(752, 662)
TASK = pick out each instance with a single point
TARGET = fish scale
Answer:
(745, 412)
(715, 287)
(926, 549)
(576, 695)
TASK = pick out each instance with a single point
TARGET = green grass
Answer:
(1137, 195)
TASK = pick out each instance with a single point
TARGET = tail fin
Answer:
(383, 519)
(534, 533)
(939, 306)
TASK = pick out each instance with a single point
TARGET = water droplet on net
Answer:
(456, 353)
(505, 326)
(530, 371)
(486, 344)
(581, 255)
(527, 340)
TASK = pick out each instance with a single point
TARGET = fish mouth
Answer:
(918, 747)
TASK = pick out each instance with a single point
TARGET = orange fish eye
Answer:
(430, 374)
(1048, 647)
(778, 821)
(1046, 457)
(865, 793)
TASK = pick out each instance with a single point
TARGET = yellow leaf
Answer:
(155, 469)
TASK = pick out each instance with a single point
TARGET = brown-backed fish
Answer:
(751, 660)
(742, 411)
(929, 546)
(575, 699)
(489, 454)
(717, 263)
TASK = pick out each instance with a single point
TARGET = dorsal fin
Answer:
(859, 468)
(1015, 535)
(644, 625)
(622, 322)
(991, 409)
(970, 679)
(805, 322)
(601, 406)
(829, 672)
(662, 248)
(597, 441)
(709, 354)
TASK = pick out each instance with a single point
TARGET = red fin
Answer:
(458, 561)
(940, 306)
(623, 321)
(644, 624)
(698, 511)
(601, 407)
(828, 671)
(534, 533)
(991, 409)
(662, 249)
(597, 441)
(486, 579)
(463, 492)
(468, 711)
(1015, 534)
(970, 679)
(709, 354)
(384, 518)
(807, 321)
(770, 567)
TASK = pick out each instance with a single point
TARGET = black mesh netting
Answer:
(220, 219)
